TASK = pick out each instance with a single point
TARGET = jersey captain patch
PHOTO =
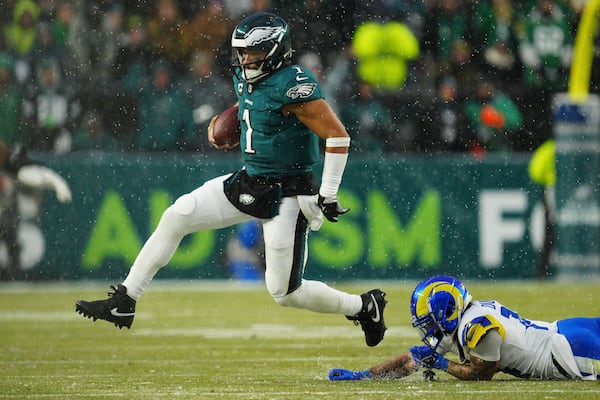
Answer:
(301, 91)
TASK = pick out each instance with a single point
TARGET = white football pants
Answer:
(286, 238)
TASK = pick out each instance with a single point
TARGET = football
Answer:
(226, 129)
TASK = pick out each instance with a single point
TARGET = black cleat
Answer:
(118, 308)
(371, 316)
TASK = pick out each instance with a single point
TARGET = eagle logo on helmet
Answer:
(262, 34)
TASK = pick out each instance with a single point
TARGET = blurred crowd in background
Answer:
(403, 75)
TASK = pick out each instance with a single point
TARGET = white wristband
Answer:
(333, 169)
(338, 141)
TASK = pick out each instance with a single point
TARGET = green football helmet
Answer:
(263, 32)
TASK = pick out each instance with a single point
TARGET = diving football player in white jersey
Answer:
(488, 337)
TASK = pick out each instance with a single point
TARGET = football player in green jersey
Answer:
(283, 115)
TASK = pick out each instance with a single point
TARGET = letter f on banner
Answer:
(494, 228)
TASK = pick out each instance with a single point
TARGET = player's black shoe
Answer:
(371, 316)
(118, 308)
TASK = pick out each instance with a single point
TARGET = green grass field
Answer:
(212, 340)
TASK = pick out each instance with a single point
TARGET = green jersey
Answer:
(271, 143)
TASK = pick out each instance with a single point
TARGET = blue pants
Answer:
(583, 334)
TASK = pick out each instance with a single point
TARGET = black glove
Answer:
(331, 208)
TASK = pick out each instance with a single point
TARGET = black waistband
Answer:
(291, 185)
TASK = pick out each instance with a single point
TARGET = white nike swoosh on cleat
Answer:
(377, 317)
(116, 313)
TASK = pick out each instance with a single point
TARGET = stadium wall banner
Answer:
(577, 133)
(410, 216)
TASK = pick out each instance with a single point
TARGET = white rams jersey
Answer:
(527, 347)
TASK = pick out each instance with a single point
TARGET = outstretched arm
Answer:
(395, 368)
(41, 177)
(484, 358)
(476, 369)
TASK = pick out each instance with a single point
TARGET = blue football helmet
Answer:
(436, 306)
(263, 32)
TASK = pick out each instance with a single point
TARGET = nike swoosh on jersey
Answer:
(115, 312)
(301, 78)
(377, 317)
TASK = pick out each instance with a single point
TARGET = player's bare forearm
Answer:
(475, 370)
(395, 368)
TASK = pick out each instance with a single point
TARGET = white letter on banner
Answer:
(494, 228)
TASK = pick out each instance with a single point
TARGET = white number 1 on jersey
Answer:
(246, 118)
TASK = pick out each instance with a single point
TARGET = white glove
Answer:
(63, 192)
(311, 210)
(41, 177)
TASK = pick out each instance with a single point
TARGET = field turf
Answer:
(218, 340)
